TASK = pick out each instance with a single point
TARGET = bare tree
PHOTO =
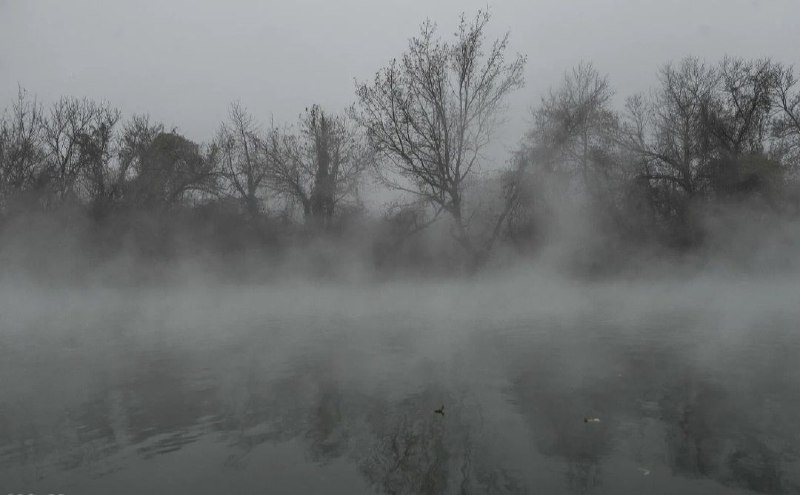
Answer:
(669, 131)
(96, 155)
(136, 136)
(786, 125)
(321, 165)
(573, 127)
(72, 125)
(22, 150)
(244, 158)
(739, 120)
(706, 129)
(431, 114)
(739, 115)
(571, 144)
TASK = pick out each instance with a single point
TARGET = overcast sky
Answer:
(183, 62)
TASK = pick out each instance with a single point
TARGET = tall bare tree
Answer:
(432, 113)
(22, 152)
(571, 147)
(739, 121)
(573, 127)
(96, 154)
(72, 125)
(706, 129)
(786, 125)
(244, 157)
(739, 115)
(135, 138)
(320, 165)
(669, 130)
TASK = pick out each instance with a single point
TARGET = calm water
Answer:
(156, 393)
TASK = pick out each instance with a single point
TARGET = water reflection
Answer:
(513, 422)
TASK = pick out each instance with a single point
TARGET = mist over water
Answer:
(331, 387)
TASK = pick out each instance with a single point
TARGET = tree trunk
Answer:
(322, 196)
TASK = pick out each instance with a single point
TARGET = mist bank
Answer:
(182, 246)
(194, 308)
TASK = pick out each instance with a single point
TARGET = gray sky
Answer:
(185, 61)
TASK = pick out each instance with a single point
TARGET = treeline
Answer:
(80, 152)
(78, 169)
(706, 137)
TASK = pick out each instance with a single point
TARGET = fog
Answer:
(486, 265)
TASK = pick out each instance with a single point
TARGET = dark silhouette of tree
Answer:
(702, 121)
(786, 125)
(704, 132)
(167, 168)
(739, 120)
(73, 127)
(135, 137)
(244, 158)
(22, 152)
(739, 115)
(320, 166)
(96, 154)
(669, 131)
(431, 114)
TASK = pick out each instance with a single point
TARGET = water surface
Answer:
(687, 389)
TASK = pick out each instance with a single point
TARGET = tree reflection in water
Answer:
(399, 445)
(729, 429)
(658, 410)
